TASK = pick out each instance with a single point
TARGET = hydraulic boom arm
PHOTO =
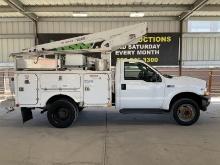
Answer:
(100, 42)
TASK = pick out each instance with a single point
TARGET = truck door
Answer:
(27, 89)
(97, 91)
(141, 87)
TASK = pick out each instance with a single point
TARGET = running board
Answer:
(142, 111)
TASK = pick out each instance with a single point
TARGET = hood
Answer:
(185, 80)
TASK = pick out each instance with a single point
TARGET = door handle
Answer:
(21, 89)
(87, 89)
(170, 86)
(123, 86)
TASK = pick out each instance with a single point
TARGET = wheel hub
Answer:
(62, 113)
(186, 112)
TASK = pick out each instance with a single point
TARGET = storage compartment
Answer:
(97, 89)
(27, 92)
(60, 81)
(74, 60)
(37, 63)
(101, 65)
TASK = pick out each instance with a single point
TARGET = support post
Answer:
(181, 48)
(36, 33)
(210, 82)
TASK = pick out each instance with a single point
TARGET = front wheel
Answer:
(185, 111)
(62, 113)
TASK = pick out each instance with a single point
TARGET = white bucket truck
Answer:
(63, 82)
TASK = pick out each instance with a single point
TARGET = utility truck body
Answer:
(62, 83)
(87, 88)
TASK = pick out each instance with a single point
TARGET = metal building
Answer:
(103, 136)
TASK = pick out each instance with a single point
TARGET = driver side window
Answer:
(139, 71)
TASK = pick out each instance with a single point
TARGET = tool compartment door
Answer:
(96, 89)
(60, 81)
(27, 89)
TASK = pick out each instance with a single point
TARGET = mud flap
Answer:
(26, 114)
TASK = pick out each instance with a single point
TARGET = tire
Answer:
(185, 111)
(62, 113)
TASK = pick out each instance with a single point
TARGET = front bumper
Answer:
(205, 101)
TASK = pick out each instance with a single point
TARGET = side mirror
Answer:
(156, 78)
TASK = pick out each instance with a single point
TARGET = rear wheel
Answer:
(185, 111)
(62, 113)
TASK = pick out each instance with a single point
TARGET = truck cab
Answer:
(138, 85)
(141, 88)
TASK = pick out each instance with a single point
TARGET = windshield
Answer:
(157, 70)
(165, 75)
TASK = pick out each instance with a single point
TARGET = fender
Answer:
(170, 96)
(64, 94)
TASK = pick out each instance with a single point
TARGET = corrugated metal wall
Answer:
(14, 36)
(26, 27)
(201, 47)
(8, 46)
(96, 26)
(16, 27)
(18, 34)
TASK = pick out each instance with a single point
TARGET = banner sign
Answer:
(153, 48)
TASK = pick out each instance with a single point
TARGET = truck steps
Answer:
(142, 111)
